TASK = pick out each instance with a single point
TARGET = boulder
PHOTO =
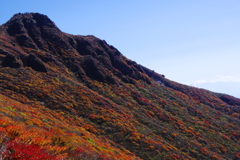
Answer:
(11, 61)
(35, 63)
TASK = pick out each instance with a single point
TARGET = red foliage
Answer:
(19, 151)
(94, 103)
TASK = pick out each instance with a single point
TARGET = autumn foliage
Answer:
(76, 97)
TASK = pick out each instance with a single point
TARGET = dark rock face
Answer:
(90, 79)
(85, 56)
(26, 41)
(35, 63)
(11, 61)
(93, 69)
(43, 20)
(15, 27)
(84, 47)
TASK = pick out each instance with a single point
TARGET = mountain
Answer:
(221, 87)
(66, 96)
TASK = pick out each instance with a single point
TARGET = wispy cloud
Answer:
(218, 78)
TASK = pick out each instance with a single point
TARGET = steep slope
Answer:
(107, 106)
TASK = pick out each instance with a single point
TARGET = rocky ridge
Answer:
(103, 93)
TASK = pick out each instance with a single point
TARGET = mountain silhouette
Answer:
(66, 96)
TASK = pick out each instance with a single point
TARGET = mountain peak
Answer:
(25, 21)
(40, 19)
(90, 56)
(86, 100)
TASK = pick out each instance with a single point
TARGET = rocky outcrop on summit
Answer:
(35, 41)
(86, 87)
(87, 56)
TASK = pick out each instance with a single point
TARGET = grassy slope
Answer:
(70, 113)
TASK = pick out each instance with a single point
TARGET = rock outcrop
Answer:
(12, 61)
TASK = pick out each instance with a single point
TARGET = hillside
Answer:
(66, 96)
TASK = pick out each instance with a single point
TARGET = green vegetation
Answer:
(85, 100)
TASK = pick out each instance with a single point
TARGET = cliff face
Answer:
(98, 89)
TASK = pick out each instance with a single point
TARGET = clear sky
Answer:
(195, 42)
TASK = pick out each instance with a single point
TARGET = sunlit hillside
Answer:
(64, 96)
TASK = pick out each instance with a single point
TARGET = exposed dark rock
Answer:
(77, 69)
(3, 52)
(11, 61)
(35, 63)
(43, 20)
(15, 27)
(84, 47)
(26, 41)
(93, 69)
(133, 112)
(111, 80)
(48, 58)
(34, 32)
(81, 73)
(122, 66)
(72, 42)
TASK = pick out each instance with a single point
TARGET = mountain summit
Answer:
(66, 96)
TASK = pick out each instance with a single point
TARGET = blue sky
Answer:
(191, 42)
